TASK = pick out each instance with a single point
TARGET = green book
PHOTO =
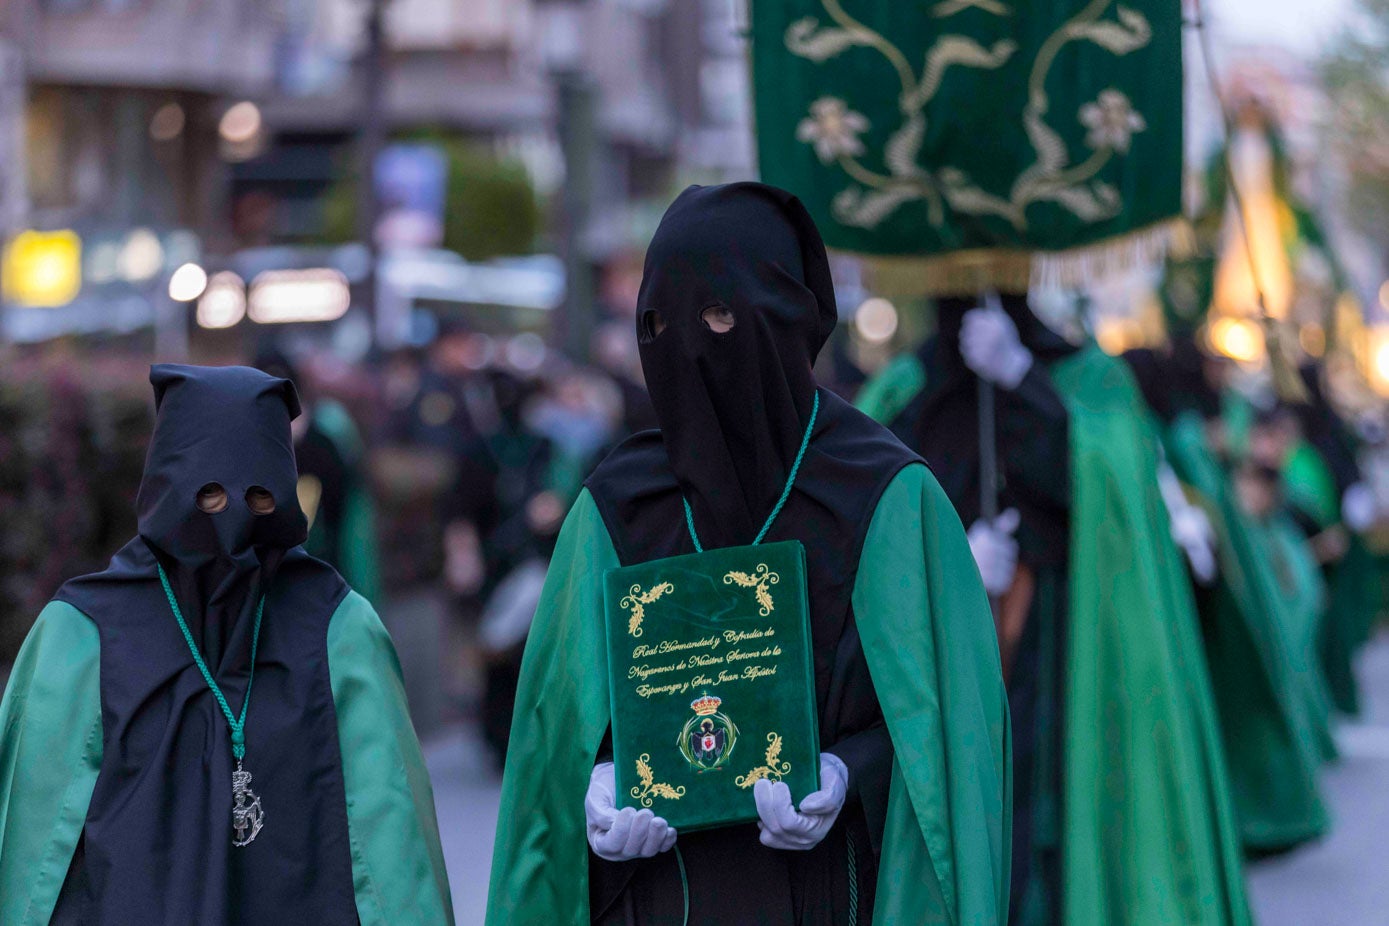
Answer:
(711, 682)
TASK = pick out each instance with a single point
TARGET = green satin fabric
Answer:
(51, 748)
(358, 556)
(1272, 738)
(50, 755)
(1304, 596)
(1149, 835)
(1350, 612)
(887, 394)
(928, 636)
(1350, 618)
(397, 859)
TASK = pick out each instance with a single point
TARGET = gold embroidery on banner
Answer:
(951, 7)
(833, 128)
(650, 788)
(636, 601)
(772, 771)
(760, 579)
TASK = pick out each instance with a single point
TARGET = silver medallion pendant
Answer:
(247, 816)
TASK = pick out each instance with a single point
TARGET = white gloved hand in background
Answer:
(1192, 530)
(1358, 507)
(621, 835)
(785, 827)
(1190, 526)
(996, 550)
(991, 347)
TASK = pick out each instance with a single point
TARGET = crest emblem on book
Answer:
(709, 736)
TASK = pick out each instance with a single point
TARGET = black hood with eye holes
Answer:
(228, 426)
(156, 843)
(733, 406)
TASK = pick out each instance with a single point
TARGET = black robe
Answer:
(157, 843)
(1033, 449)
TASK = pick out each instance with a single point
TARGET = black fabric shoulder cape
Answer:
(157, 843)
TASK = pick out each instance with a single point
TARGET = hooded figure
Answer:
(735, 305)
(1271, 716)
(116, 758)
(1122, 803)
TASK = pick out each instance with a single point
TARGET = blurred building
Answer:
(120, 107)
(493, 73)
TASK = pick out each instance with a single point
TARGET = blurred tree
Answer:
(490, 206)
(1355, 77)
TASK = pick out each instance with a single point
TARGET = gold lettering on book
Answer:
(650, 788)
(760, 580)
(636, 601)
(772, 770)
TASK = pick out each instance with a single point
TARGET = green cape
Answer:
(357, 556)
(51, 749)
(1148, 835)
(1304, 597)
(1272, 737)
(928, 636)
(1351, 611)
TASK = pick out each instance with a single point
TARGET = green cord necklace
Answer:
(785, 493)
(247, 816)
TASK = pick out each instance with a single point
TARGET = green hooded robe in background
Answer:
(944, 856)
(1273, 739)
(1147, 829)
(1353, 604)
(1148, 833)
(351, 545)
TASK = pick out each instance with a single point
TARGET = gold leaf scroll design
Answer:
(636, 601)
(951, 7)
(774, 768)
(761, 580)
(875, 195)
(650, 788)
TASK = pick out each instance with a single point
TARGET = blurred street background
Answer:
(432, 215)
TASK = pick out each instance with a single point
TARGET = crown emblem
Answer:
(706, 705)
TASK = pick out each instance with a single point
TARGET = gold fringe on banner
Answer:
(974, 272)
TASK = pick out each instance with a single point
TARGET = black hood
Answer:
(228, 426)
(733, 406)
(156, 841)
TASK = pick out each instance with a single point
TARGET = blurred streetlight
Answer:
(168, 122)
(876, 320)
(1240, 339)
(43, 268)
(315, 295)
(241, 123)
(187, 283)
(223, 303)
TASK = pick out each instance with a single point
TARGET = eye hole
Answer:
(718, 319)
(259, 500)
(652, 324)
(212, 498)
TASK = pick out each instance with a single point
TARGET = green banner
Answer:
(933, 127)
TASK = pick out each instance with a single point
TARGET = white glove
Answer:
(621, 835)
(991, 348)
(1190, 527)
(782, 826)
(1358, 508)
(995, 550)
